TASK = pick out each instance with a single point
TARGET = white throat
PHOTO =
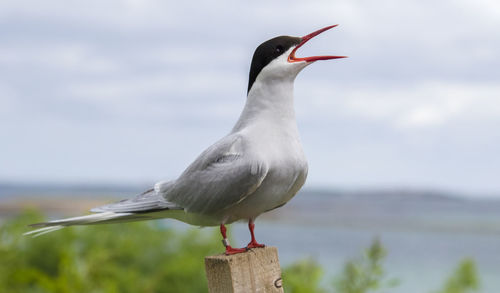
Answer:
(271, 95)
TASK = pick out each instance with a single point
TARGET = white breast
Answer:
(281, 149)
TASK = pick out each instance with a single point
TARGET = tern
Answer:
(258, 167)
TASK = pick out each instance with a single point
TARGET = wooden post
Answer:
(257, 270)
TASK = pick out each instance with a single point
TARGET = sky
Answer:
(132, 91)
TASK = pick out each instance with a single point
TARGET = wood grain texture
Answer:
(257, 270)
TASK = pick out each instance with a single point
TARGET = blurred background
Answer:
(100, 100)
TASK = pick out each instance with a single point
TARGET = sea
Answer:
(426, 233)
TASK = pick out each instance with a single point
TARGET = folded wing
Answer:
(223, 175)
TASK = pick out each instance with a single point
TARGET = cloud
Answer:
(422, 105)
(67, 57)
(80, 80)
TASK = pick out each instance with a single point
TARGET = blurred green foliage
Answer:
(360, 275)
(365, 274)
(132, 257)
(464, 279)
(303, 277)
(145, 257)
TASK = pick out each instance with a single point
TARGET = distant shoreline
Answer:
(96, 190)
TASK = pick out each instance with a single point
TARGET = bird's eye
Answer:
(279, 49)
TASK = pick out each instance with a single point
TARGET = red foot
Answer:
(230, 250)
(254, 244)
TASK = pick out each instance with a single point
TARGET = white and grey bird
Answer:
(259, 166)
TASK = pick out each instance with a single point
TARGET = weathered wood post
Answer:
(257, 270)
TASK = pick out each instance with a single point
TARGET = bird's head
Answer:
(275, 59)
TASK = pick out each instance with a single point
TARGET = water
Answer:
(426, 234)
(425, 237)
(420, 260)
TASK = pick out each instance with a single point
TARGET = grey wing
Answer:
(148, 201)
(222, 176)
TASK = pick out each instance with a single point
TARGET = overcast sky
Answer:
(133, 91)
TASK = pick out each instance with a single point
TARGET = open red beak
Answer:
(292, 58)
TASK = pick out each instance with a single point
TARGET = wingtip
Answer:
(41, 231)
(37, 225)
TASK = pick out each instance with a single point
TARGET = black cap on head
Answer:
(267, 52)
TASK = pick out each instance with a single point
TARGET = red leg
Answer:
(253, 243)
(229, 249)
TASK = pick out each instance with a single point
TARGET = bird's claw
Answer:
(254, 244)
(231, 251)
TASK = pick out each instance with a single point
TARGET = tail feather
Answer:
(147, 205)
(41, 231)
(98, 218)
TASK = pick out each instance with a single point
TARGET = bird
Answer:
(257, 167)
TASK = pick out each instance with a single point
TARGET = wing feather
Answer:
(147, 201)
(220, 177)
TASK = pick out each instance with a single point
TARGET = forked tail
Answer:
(98, 218)
(145, 206)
